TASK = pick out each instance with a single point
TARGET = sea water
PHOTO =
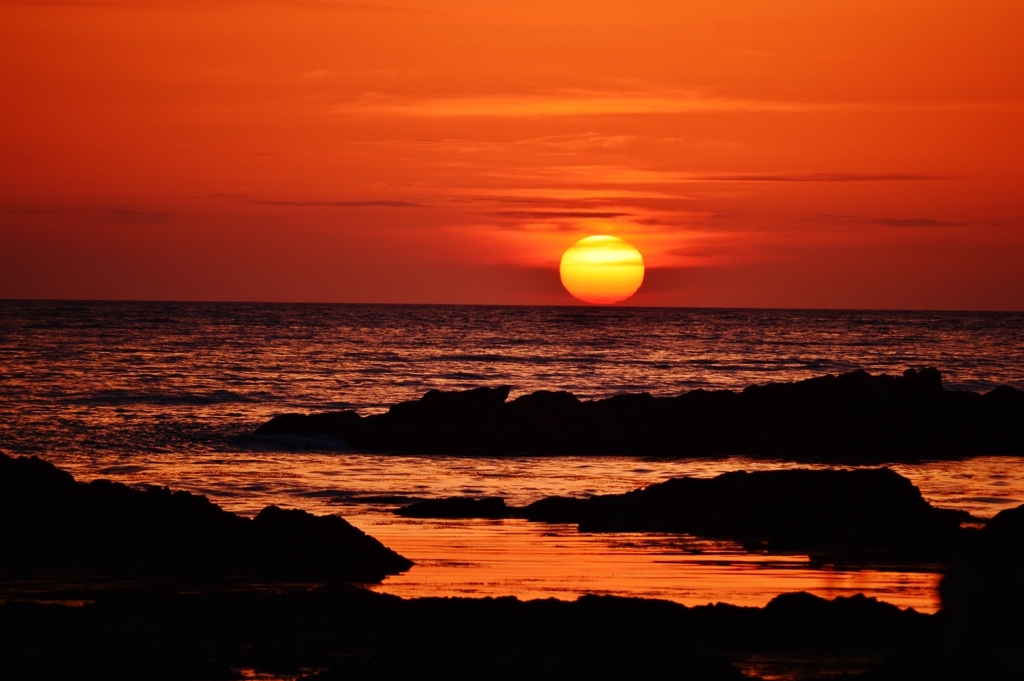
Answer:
(169, 393)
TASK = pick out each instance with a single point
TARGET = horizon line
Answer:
(614, 306)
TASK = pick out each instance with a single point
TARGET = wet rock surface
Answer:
(983, 596)
(343, 632)
(860, 515)
(339, 631)
(67, 611)
(854, 417)
(49, 523)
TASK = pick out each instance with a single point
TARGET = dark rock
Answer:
(305, 425)
(983, 612)
(983, 591)
(803, 623)
(463, 405)
(555, 510)
(351, 633)
(51, 524)
(861, 515)
(948, 660)
(456, 507)
(854, 417)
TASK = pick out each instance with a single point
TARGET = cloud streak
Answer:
(339, 204)
(820, 177)
(919, 222)
(575, 102)
(122, 214)
(901, 223)
(557, 214)
(567, 103)
(644, 176)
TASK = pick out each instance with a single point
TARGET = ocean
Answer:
(169, 393)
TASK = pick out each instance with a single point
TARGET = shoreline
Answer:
(206, 628)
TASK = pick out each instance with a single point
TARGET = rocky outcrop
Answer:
(862, 515)
(854, 417)
(982, 611)
(461, 507)
(983, 591)
(49, 523)
(354, 634)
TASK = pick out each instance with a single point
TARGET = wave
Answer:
(120, 397)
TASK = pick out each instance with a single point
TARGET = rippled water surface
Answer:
(163, 393)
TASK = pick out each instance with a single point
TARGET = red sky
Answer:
(793, 153)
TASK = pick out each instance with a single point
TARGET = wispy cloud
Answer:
(819, 177)
(622, 175)
(542, 227)
(654, 100)
(568, 197)
(566, 103)
(919, 222)
(123, 214)
(340, 204)
(893, 222)
(558, 214)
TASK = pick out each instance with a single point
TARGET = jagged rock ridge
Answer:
(854, 417)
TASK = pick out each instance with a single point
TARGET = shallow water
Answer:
(539, 560)
(166, 393)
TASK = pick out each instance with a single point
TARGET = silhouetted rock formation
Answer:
(983, 612)
(873, 513)
(853, 417)
(983, 594)
(354, 634)
(984, 588)
(51, 524)
(461, 507)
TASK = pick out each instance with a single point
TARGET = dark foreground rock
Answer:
(984, 589)
(983, 595)
(67, 611)
(862, 515)
(50, 524)
(983, 608)
(346, 633)
(854, 417)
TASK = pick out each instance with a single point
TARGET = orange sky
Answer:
(850, 153)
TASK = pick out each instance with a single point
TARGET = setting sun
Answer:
(602, 269)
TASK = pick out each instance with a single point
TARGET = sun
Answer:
(602, 269)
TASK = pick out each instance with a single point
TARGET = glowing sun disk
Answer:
(602, 269)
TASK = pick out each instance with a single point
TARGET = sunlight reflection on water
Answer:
(165, 393)
(539, 560)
